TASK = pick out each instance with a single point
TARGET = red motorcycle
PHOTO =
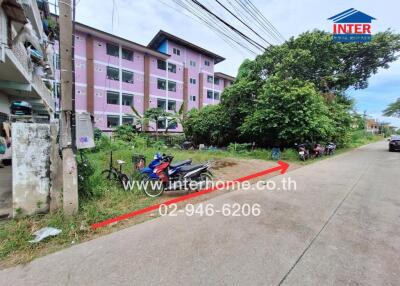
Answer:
(318, 151)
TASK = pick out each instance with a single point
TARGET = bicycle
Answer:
(115, 174)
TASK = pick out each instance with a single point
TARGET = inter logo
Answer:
(352, 26)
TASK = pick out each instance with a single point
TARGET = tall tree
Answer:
(393, 109)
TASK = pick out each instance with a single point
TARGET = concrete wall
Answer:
(31, 168)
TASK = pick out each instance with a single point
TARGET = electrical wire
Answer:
(251, 41)
(257, 11)
(241, 21)
(213, 24)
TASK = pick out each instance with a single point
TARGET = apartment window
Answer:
(216, 95)
(57, 89)
(210, 79)
(58, 62)
(171, 68)
(112, 121)
(112, 97)
(192, 80)
(171, 85)
(210, 94)
(112, 50)
(112, 73)
(161, 84)
(171, 105)
(127, 99)
(127, 55)
(162, 123)
(192, 98)
(216, 81)
(161, 104)
(176, 51)
(207, 63)
(127, 76)
(127, 120)
(193, 63)
(172, 124)
(162, 65)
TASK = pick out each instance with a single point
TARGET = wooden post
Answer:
(70, 172)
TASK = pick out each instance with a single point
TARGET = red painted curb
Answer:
(282, 168)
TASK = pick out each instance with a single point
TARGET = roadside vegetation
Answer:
(293, 93)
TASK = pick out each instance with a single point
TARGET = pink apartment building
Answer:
(112, 74)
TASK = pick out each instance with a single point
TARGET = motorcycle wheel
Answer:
(205, 179)
(152, 188)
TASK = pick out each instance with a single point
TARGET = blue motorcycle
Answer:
(173, 170)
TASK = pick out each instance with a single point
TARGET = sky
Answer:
(140, 20)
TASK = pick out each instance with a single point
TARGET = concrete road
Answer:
(341, 226)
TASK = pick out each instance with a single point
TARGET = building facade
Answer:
(113, 75)
(26, 57)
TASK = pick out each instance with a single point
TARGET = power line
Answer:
(257, 11)
(251, 41)
(254, 17)
(213, 24)
(224, 38)
(230, 12)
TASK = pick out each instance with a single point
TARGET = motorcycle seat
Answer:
(189, 168)
(180, 163)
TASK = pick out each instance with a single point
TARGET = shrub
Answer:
(97, 133)
(125, 132)
(140, 141)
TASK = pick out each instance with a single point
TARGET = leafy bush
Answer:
(85, 171)
(97, 133)
(104, 143)
(125, 132)
(140, 141)
(207, 125)
(158, 144)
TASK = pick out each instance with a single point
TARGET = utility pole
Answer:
(70, 172)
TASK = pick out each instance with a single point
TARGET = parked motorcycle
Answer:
(165, 178)
(330, 148)
(318, 150)
(173, 169)
(304, 154)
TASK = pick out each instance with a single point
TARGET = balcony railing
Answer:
(22, 56)
(44, 92)
(23, 59)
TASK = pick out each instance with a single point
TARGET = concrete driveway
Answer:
(341, 226)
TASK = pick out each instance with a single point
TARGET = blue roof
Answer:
(352, 16)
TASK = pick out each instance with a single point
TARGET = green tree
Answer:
(207, 125)
(155, 115)
(288, 111)
(309, 73)
(393, 109)
(332, 67)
